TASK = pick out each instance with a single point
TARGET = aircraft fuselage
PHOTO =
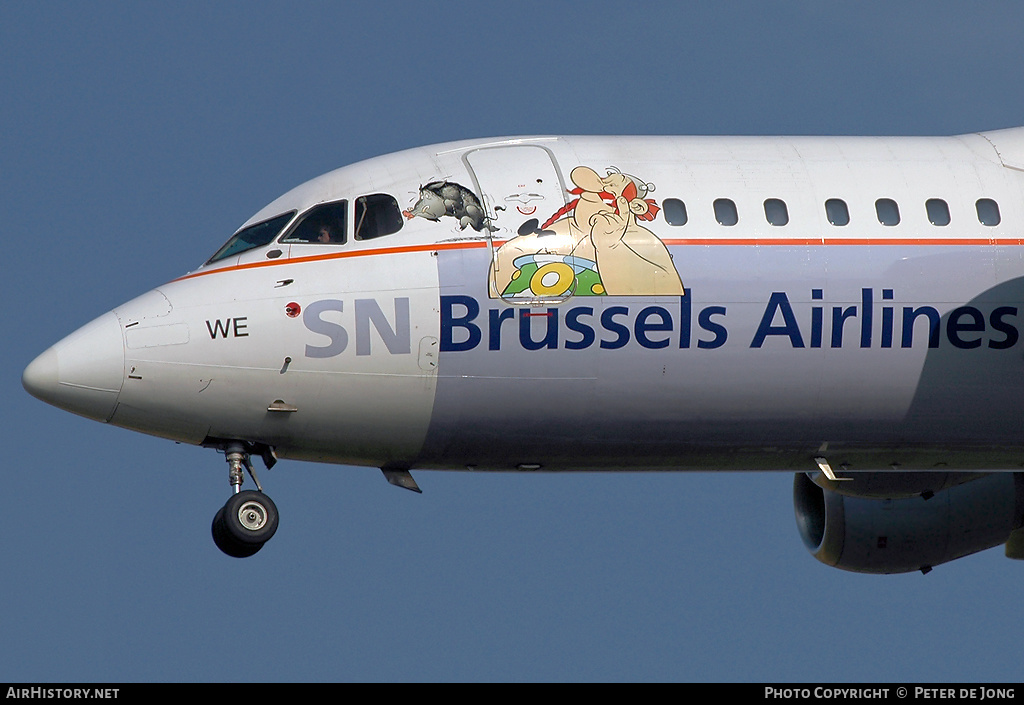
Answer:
(597, 303)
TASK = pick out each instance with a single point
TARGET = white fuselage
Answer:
(670, 315)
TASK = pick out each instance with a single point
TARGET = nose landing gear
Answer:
(249, 518)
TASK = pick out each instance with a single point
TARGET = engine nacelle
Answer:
(872, 535)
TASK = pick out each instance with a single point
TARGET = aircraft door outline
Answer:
(520, 186)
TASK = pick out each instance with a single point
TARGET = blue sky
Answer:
(136, 136)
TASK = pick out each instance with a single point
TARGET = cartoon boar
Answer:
(447, 198)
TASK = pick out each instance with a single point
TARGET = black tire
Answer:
(250, 518)
(226, 543)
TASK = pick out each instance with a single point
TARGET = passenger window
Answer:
(988, 212)
(837, 212)
(725, 212)
(938, 211)
(775, 211)
(252, 237)
(674, 210)
(887, 211)
(323, 225)
(377, 215)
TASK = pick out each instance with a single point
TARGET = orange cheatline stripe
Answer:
(717, 241)
(342, 255)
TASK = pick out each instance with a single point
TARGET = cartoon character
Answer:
(513, 207)
(525, 202)
(447, 198)
(593, 246)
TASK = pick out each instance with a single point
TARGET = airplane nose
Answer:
(83, 372)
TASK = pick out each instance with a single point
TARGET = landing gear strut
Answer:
(249, 518)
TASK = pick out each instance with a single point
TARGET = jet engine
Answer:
(871, 534)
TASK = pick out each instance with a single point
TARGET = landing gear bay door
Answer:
(522, 193)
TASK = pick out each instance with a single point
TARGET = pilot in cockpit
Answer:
(325, 233)
(325, 224)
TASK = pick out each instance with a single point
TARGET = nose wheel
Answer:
(249, 518)
(246, 522)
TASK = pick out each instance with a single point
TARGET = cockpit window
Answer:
(252, 237)
(377, 215)
(323, 225)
